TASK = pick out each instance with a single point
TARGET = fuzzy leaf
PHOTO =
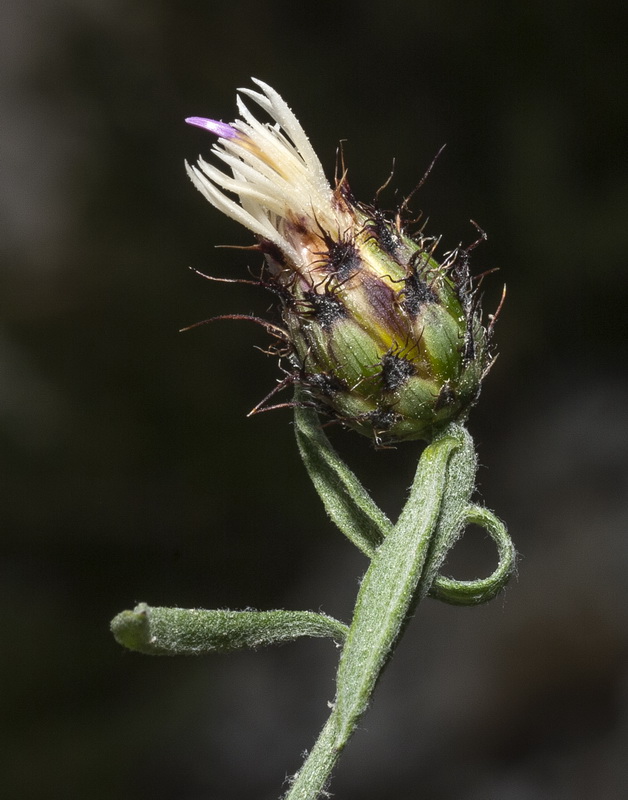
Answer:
(471, 593)
(345, 499)
(182, 631)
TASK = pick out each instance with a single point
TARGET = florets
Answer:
(381, 336)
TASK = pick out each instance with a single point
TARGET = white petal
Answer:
(276, 175)
(279, 110)
(231, 208)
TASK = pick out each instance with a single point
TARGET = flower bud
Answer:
(380, 335)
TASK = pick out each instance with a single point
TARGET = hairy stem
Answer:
(401, 572)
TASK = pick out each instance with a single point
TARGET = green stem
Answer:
(311, 780)
(400, 574)
(405, 565)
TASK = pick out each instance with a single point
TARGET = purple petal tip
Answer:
(213, 126)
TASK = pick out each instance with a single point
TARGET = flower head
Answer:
(379, 334)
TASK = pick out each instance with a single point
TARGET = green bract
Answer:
(383, 337)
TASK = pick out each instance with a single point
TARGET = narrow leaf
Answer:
(181, 631)
(345, 499)
(469, 593)
(389, 588)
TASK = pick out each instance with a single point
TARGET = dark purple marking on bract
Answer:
(381, 299)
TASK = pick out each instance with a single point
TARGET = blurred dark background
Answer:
(130, 471)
